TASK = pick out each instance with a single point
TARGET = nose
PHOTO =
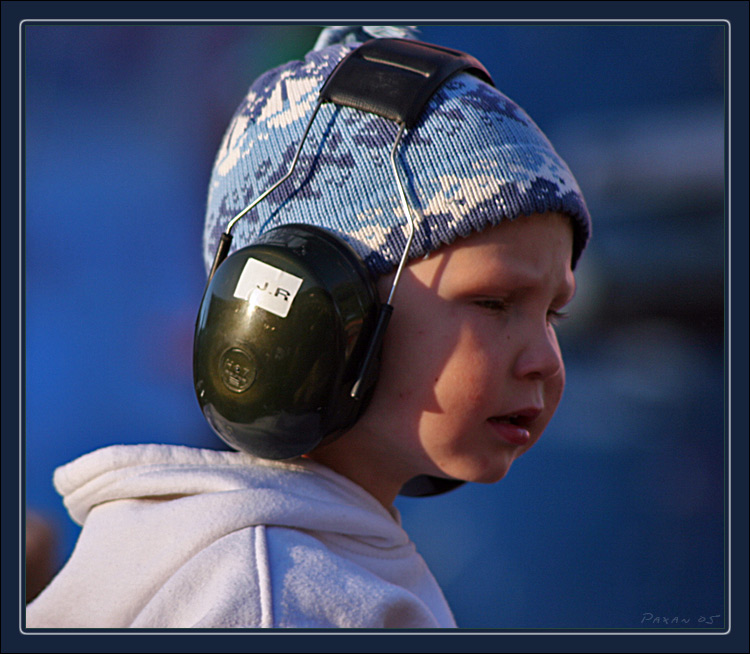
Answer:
(540, 356)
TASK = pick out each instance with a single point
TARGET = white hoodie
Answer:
(182, 537)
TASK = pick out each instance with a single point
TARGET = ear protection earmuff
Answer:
(290, 328)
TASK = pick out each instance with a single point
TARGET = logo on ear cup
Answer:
(238, 370)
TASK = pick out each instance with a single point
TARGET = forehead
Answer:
(536, 247)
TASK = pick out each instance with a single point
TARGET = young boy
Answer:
(470, 372)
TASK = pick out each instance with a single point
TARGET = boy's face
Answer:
(471, 371)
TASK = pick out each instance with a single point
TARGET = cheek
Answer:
(557, 382)
(469, 373)
(411, 364)
(553, 389)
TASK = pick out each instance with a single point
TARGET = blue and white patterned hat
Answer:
(474, 159)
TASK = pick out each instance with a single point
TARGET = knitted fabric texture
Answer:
(474, 159)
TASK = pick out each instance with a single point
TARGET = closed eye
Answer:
(555, 317)
(494, 306)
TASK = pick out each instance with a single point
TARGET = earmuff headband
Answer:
(395, 78)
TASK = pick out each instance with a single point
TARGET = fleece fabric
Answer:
(182, 537)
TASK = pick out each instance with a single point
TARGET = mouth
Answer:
(514, 428)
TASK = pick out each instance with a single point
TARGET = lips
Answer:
(513, 428)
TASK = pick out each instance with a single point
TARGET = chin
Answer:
(481, 472)
(491, 478)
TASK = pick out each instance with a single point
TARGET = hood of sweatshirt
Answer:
(229, 491)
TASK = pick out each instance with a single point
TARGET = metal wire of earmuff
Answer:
(226, 238)
(293, 165)
(386, 309)
(407, 210)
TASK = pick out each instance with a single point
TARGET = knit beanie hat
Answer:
(473, 159)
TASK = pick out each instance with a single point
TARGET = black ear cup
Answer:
(280, 336)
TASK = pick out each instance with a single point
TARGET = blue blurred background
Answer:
(618, 511)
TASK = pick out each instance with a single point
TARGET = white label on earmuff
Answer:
(267, 287)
